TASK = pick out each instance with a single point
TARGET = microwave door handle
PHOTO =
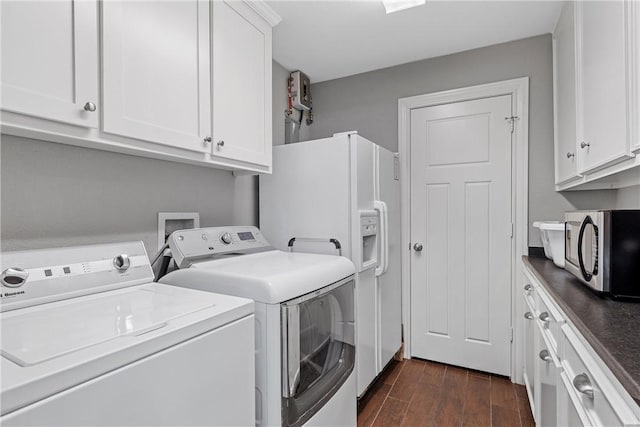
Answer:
(587, 276)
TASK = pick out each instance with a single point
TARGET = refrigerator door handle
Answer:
(383, 232)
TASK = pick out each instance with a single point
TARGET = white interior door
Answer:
(461, 214)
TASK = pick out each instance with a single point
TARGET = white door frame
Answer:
(519, 90)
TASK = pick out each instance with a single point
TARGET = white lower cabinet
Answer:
(530, 355)
(568, 384)
(546, 369)
(570, 410)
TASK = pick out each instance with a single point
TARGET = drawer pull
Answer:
(528, 288)
(544, 316)
(545, 355)
(583, 385)
(528, 315)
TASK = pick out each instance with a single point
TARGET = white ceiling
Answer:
(332, 39)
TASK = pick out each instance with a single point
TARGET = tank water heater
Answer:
(300, 89)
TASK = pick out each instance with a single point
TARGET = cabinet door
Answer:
(529, 354)
(564, 92)
(602, 83)
(52, 72)
(634, 58)
(241, 84)
(571, 413)
(547, 369)
(156, 70)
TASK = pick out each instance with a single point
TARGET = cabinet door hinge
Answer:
(511, 335)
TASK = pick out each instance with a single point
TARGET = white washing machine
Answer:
(88, 340)
(305, 323)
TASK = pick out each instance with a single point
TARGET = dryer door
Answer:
(318, 354)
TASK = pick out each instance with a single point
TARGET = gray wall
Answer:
(368, 103)
(58, 195)
(628, 198)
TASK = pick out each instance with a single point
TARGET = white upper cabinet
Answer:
(602, 83)
(634, 58)
(564, 82)
(596, 50)
(50, 60)
(241, 77)
(155, 83)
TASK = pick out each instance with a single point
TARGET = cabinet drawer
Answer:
(549, 318)
(600, 400)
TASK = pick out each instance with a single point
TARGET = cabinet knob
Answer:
(207, 139)
(570, 155)
(221, 143)
(544, 316)
(417, 247)
(584, 145)
(90, 106)
(528, 288)
(582, 383)
(528, 315)
(545, 355)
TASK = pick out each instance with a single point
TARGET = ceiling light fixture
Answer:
(391, 6)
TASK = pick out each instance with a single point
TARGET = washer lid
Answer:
(37, 335)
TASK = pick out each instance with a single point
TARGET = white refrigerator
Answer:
(344, 188)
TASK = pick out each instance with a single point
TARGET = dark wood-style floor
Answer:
(420, 393)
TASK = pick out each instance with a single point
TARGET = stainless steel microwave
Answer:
(602, 249)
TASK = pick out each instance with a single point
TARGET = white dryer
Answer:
(305, 322)
(88, 340)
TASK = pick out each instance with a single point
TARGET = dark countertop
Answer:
(611, 327)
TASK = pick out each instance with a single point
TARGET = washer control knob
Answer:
(226, 238)
(122, 262)
(14, 277)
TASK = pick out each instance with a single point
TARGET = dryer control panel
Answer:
(201, 243)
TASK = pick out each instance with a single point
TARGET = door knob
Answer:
(221, 143)
(570, 155)
(90, 106)
(584, 145)
(417, 247)
(528, 315)
(528, 288)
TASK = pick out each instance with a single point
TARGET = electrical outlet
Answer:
(168, 222)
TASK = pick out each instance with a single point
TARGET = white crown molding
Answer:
(265, 11)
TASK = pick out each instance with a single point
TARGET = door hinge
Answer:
(512, 121)
(511, 335)
(513, 227)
